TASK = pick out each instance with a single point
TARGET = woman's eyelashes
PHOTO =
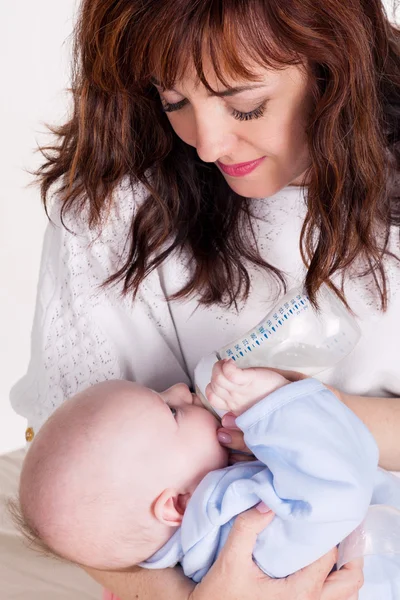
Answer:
(240, 116)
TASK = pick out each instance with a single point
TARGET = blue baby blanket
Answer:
(317, 469)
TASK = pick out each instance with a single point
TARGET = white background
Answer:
(34, 51)
(34, 69)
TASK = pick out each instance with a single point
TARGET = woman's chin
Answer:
(253, 189)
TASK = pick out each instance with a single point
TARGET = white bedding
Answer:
(23, 573)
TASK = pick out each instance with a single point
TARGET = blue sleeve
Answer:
(321, 466)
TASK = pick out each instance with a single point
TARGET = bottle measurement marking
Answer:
(268, 328)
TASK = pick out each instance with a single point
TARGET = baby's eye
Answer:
(173, 411)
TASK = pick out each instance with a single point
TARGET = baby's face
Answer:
(186, 431)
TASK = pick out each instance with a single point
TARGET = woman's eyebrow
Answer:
(231, 91)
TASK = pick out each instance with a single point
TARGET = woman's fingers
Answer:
(316, 573)
(355, 565)
(229, 421)
(243, 536)
(344, 584)
(235, 574)
(235, 457)
(232, 438)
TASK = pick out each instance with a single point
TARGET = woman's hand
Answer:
(350, 576)
(234, 575)
(231, 437)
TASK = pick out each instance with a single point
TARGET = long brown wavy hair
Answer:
(118, 131)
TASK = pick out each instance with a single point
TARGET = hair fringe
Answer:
(118, 131)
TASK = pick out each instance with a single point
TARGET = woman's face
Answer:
(274, 128)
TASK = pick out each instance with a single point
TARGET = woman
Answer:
(166, 245)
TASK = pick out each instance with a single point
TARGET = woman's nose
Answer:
(214, 138)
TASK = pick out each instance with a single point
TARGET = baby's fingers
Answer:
(217, 396)
(219, 379)
(234, 374)
(219, 390)
(227, 375)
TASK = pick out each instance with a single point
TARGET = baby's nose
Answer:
(183, 393)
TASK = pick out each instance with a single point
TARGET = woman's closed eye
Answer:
(240, 116)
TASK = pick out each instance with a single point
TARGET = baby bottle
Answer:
(293, 336)
(377, 541)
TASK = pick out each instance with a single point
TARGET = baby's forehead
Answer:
(136, 396)
(127, 414)
(122, 389)
(142, 393)
(110, 404)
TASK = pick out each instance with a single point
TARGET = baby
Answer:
(122, 475)
(108, 477)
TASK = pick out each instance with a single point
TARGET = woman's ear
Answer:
(170, 506)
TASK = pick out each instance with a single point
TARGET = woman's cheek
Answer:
(183, 128)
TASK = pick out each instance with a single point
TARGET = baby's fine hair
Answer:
(29, 533)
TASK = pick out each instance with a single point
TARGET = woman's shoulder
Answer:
(118, 210)
(78, 258)
(127, 197)
(73, 231)
(114, 227)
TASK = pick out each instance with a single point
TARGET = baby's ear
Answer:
(170, 506)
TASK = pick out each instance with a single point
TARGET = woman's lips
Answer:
(240, 169)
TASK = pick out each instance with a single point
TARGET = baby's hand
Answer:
(236, 390)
